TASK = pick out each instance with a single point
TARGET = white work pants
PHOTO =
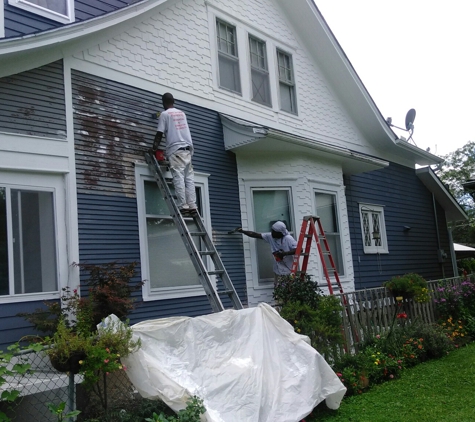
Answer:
(183, 179)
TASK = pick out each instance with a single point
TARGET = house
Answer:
(282, 126)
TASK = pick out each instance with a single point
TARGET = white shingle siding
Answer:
(173, 48)
(303, 175)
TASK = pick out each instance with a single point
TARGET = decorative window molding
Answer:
(159, 236)
(373, 229)
(287, 92)
(259, 71)
(228, 59)
(57, 10)
(31, 267)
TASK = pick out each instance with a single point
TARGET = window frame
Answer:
(228, 56)
(42, 183)
(266, 281)
(327, 233)
(264, 71)
(142, 174)
(376, 209)
(47, 13)
(289, 83)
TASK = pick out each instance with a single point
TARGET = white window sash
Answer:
(45, 12)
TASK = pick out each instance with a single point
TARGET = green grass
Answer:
(441, 390)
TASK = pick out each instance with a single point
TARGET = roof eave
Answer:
(453, 210)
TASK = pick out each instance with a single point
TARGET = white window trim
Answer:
(384, 241)
(43, 183)
(2, 20)
(276, 67)
(340, 233)
(243, 31)
(142, 173)
(47, 13)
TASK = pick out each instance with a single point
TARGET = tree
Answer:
(457, 169)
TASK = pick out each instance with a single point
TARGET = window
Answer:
(166, 264)
(259, 72)
(327, 210)
(58, 10)
(286, 82)
(27, 242)
(269, 206)
(228, 60)
(373, 228)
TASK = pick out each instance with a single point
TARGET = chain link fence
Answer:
(112, 399)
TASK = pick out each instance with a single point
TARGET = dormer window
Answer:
(57, 10)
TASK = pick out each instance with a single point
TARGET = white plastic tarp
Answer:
(247, 366)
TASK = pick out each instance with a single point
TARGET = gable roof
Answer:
(311, 28)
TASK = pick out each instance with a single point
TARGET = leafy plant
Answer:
(59, 411)
(191, 413)
(109, 288)
(409, 285)
(289, 288)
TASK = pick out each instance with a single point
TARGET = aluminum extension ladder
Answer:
(309, 231)
(197, 255)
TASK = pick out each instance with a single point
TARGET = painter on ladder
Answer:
(282, 246)
(179, 150)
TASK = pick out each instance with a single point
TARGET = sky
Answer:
(413, 54)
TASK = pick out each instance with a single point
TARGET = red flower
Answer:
(402, 315)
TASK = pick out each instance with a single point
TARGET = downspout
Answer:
(439, 255)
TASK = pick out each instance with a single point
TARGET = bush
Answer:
(291, 289)
(409, 285)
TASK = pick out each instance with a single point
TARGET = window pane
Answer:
(287, 98)
(58, 6)
(170, 264)
(260, 87)
(154, 202)
(327, 211)
(4, 290)
(376, 228)
(229, 73)
(366, 229)
(269, 206)
(34, 251)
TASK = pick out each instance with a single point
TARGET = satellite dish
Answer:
(410, 117)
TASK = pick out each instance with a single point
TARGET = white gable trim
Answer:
(2, 20)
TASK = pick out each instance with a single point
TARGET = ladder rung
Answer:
(206, 252)
(197, 233)
(217, 272)
(225, 292)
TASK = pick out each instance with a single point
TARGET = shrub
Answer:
(291, 289)
(409, 285)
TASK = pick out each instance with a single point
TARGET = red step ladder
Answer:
(309, 231)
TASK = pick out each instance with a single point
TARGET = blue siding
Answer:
(20, 22)
(118, 118)
(32, 102)
(406, 202)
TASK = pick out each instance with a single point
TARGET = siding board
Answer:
(32, 102)
(118, 119)
(406, 202)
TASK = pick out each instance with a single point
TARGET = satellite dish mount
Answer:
(410, 117)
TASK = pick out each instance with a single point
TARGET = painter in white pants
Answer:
(183, 179)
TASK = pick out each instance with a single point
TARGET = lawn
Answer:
(440, 390)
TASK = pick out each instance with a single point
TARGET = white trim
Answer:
(71, 205)
(336, 194)
(44, 183)
(142, 173)
(47, 13)
(2, 20)
(373, 249)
